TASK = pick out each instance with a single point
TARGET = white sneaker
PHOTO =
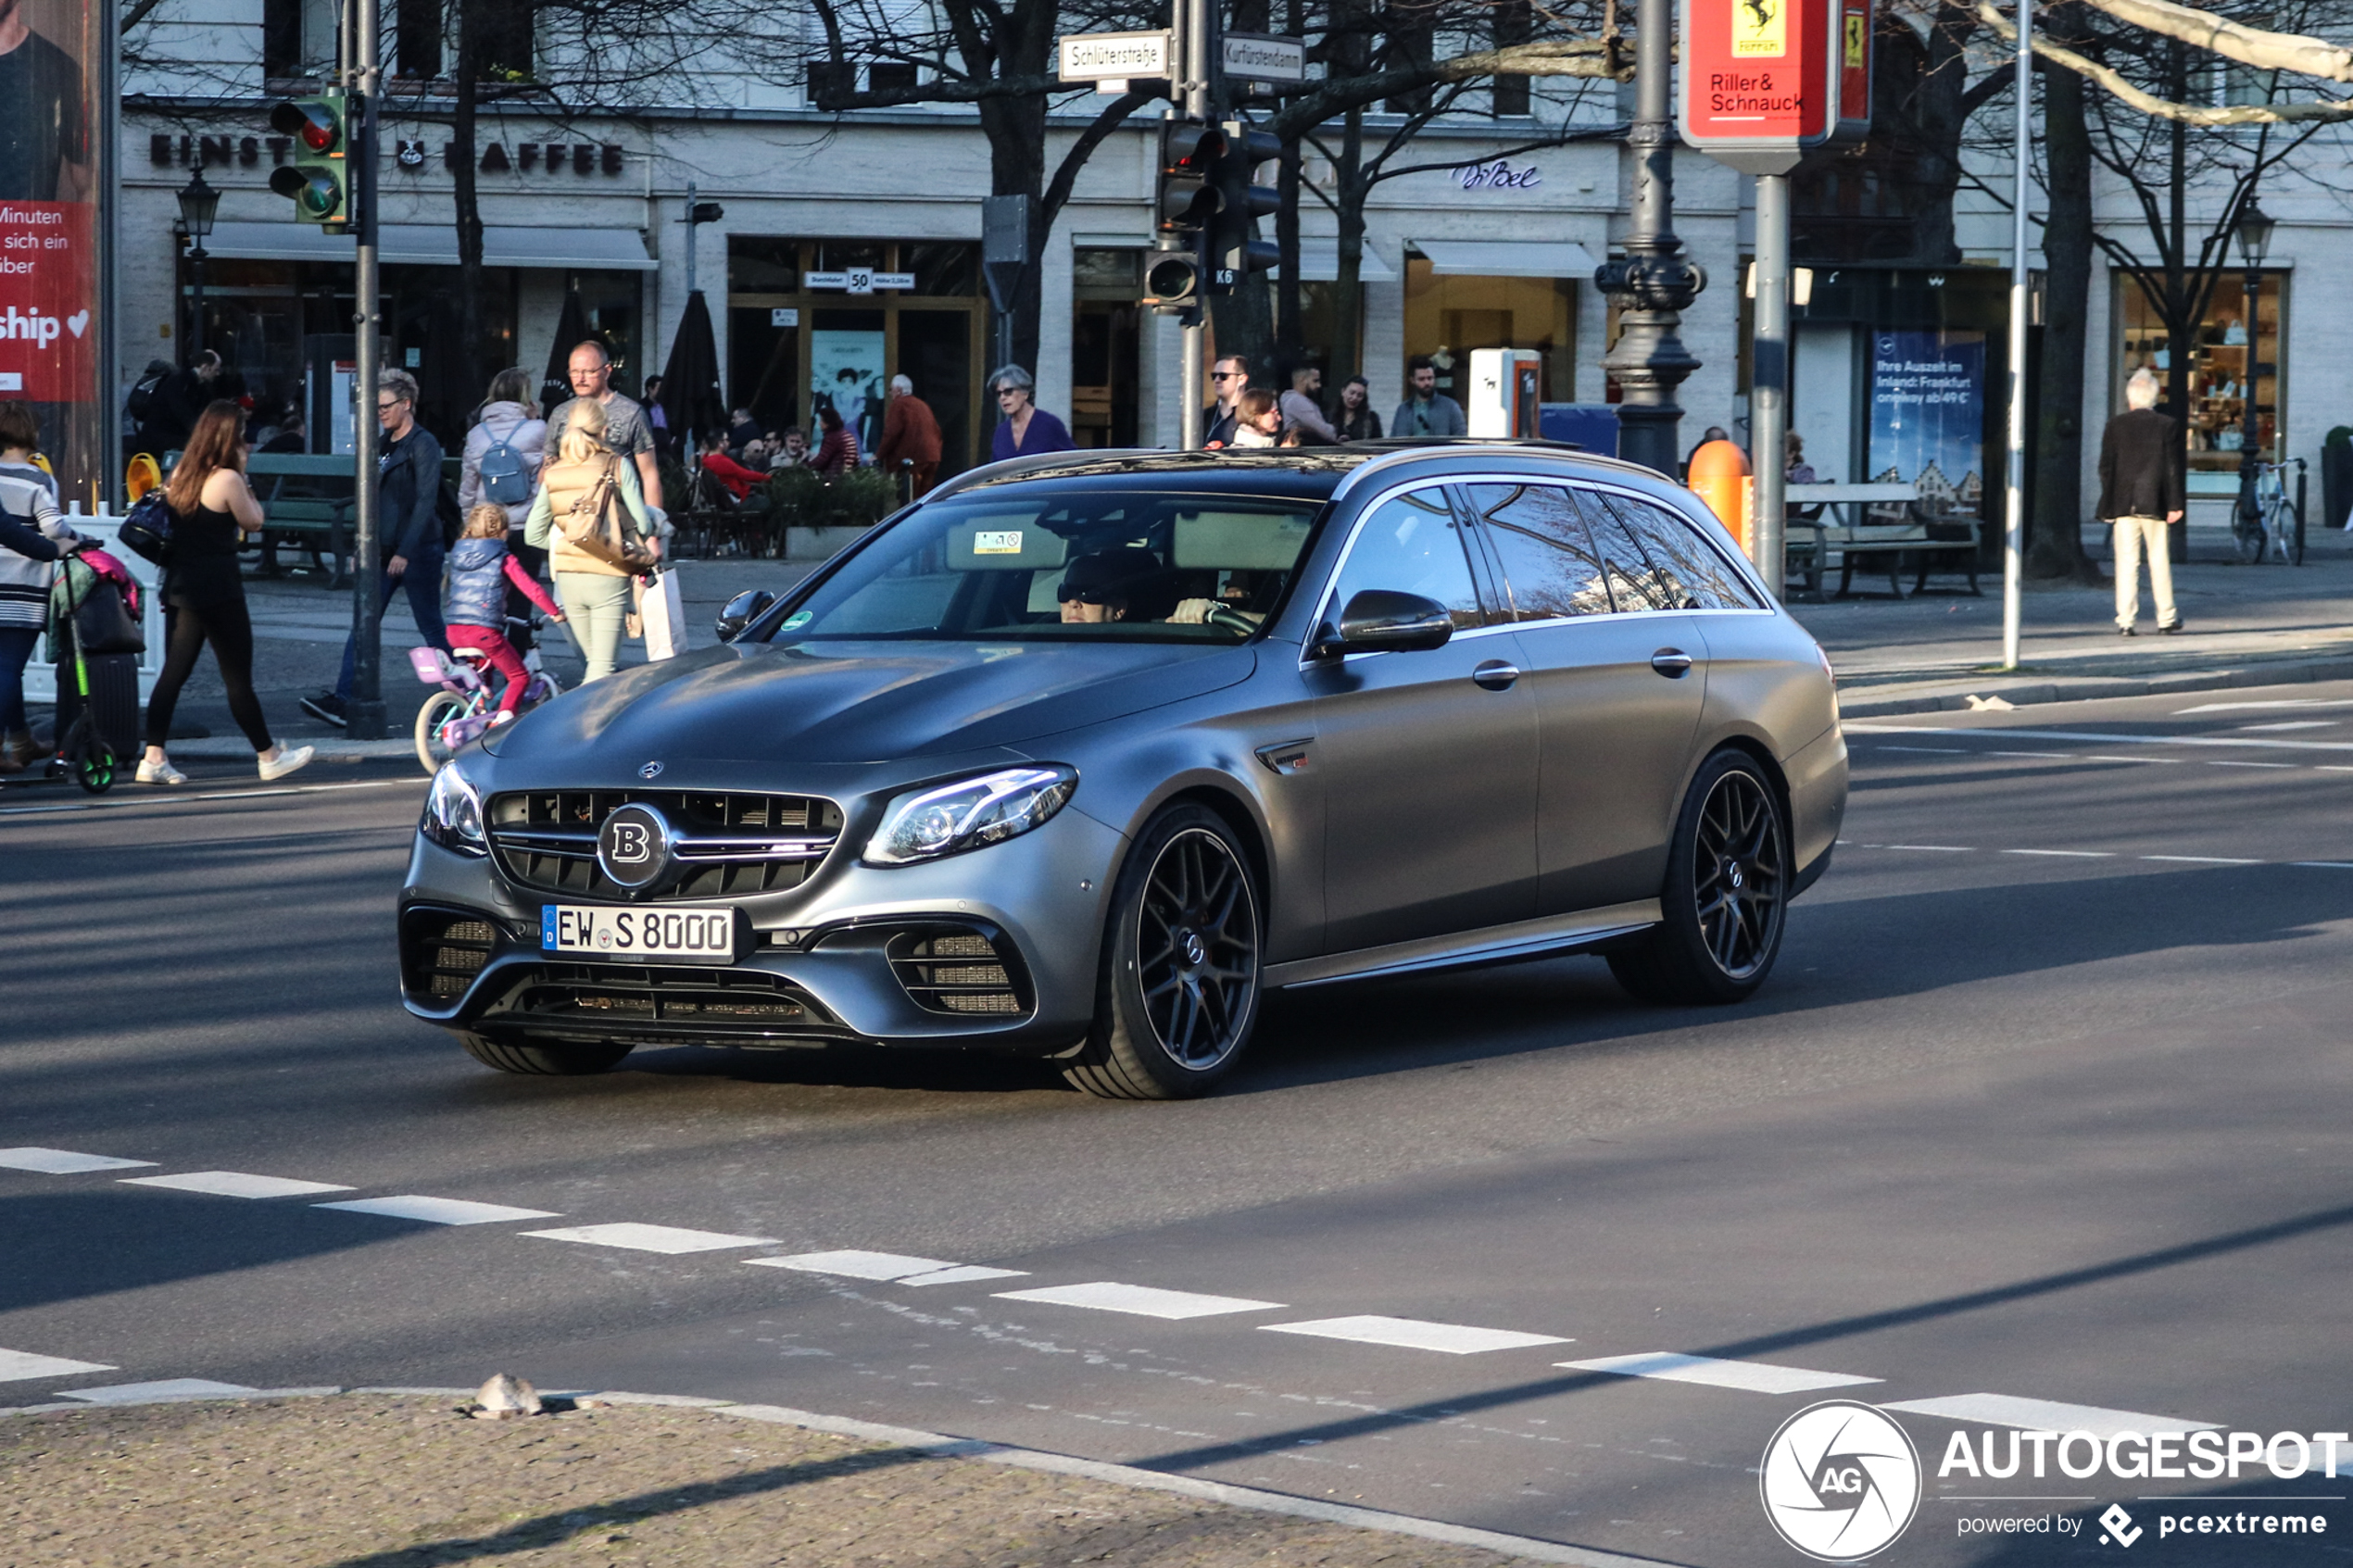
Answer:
(160, 773)
(287, 762)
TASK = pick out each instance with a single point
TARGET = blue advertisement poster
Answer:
(1927, 417)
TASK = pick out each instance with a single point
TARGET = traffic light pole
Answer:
(1192, 22)
(364, 712)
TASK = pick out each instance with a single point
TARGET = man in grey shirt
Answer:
(627, 432)
(1301, 411)
(1426, 412)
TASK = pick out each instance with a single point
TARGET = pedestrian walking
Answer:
(204, 597)
(505, 451)
(483, 573)
(1228, 379)
(33, 535)
(838, 453)
(1357, 421)
(910, 438)
(626, 431)
(656, 416)
(1258, 422)
(409, 508)
(175, 403)
(1303, 413)
(1426, 410)
(1026, 429)
(590, 492)
(2141, 497)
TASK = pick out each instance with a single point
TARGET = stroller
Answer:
(457, 715)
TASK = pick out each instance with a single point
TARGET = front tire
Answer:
(433, 750)
(1725, 897)
(1178, 995)
(564, 1059)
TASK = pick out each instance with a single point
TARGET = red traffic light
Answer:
(313, 123)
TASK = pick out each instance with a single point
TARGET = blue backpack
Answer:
(504, 479)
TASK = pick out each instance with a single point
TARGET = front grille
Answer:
(441, 952)
(702, 1000)
(951, 970)
(729, 844)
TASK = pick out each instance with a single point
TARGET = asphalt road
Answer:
(2045, 1102)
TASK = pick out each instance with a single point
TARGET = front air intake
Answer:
(959, 970)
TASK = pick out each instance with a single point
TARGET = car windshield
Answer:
(1072, 563)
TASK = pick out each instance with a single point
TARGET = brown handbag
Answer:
(598, 527)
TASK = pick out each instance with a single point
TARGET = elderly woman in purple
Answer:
(1026, 429)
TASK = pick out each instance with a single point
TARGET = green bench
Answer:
(308, 502)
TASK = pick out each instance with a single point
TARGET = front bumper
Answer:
(855, 955)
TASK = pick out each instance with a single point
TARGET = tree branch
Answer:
(2150, 104)
(2266, 51)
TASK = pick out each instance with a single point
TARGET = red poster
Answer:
(1756, 73)
(48, 297)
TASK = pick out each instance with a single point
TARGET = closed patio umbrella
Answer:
(691, 400)
(571, 330)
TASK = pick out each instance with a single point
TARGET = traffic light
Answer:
(1185, 201)
(1172, 282)
(1232, 252)
(318, 178)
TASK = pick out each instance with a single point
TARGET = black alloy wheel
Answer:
(1726, 898)
(1180, 988)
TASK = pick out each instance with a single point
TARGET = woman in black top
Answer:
(1356, 419)
(205, 597)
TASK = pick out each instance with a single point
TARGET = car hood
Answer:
(843, 702)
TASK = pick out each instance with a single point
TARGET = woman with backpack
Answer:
(504, 454)
(32, 536)
(212, 506)
(591, 518)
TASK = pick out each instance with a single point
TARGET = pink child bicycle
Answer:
(462, 709)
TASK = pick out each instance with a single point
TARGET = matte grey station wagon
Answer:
(1083, 755)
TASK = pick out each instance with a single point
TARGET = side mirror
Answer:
(741, 611)
(1381, 620)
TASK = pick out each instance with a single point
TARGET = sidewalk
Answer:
(403, 1479)
(2245, 625)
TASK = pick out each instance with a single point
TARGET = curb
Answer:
(942, 1447)
(1859, 704)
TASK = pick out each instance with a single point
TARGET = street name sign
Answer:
(1116, 57)
(1263, 56)
(1764, 79)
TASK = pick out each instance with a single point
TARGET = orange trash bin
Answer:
(1719, 477)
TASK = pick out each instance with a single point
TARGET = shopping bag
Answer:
(664, 614)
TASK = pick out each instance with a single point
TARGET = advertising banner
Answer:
(1927, 417)
(50, 331)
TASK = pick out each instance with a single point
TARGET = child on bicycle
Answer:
(480, 570)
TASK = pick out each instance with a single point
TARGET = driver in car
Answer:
(1103, 585)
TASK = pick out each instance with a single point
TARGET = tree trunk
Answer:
(466, 190)
(1016, 132)
(2056, 547)
(1348, 289)
(1291, 339)
(1940, 115)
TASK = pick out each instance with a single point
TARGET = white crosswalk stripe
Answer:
(235, 1184)
(2047, 1416)
(1760, 1377)
(167, 1388)
(1413, 1333)
(63, 1162)
(651, 1238)
(1144, 1300)
(887, 1266)
(23, 1366)
(438, 1211)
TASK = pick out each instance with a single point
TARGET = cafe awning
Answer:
(1507, 258)
(436, 246)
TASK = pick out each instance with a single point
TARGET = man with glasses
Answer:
(409, 487)
(1228, 379)
(626, 431)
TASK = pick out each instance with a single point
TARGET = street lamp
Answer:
(2255, 239)
(198, 202)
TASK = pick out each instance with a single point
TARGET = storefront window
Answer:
(798, 339)
(2219, 364)
(1446, 318)
(1106, 322)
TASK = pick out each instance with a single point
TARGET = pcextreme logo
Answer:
(1841, 1481)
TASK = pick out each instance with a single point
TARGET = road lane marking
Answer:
(23, 1366)
(167, 1388)
(209, 795)
(2047, 1416)
(2213, 763)
(1143, 1301)
(234, 1183)
(2325, 865)
(651, 1238)
(439, 1210)
(1927, 849)
(1412, 1334)
(2202, 860)
(1758, 1377)
(2070, 853)
(2280, 702)
(1940, 750)
(2098, 738)
(63, 1162)
(2295, 724)
(2070, 756)
(895, 1267)
(2169, 761)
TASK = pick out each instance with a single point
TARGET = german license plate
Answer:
(595, 931)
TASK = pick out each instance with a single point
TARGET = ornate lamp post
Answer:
(1653, 283)
(198, 202)
(2255, 240)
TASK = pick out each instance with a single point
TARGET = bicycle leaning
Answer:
(2276, 531)
(463, 709)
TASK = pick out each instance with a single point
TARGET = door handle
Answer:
(1673, 663)
(1495, 675)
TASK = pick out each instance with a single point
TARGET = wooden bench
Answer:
(1884, 523)
(308, 502)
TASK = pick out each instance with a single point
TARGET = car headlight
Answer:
(453, 813)
(926, 823)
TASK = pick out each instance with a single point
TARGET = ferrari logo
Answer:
(1760, 29)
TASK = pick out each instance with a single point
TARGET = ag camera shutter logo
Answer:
(1841, 1481)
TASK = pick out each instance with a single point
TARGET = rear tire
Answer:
(1178, 994)
(439, 709)
(1725, 897)
(565, 1059)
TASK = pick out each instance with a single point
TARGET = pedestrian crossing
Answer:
(1113, 1297)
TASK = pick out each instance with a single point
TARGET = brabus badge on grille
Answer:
(651, 770)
